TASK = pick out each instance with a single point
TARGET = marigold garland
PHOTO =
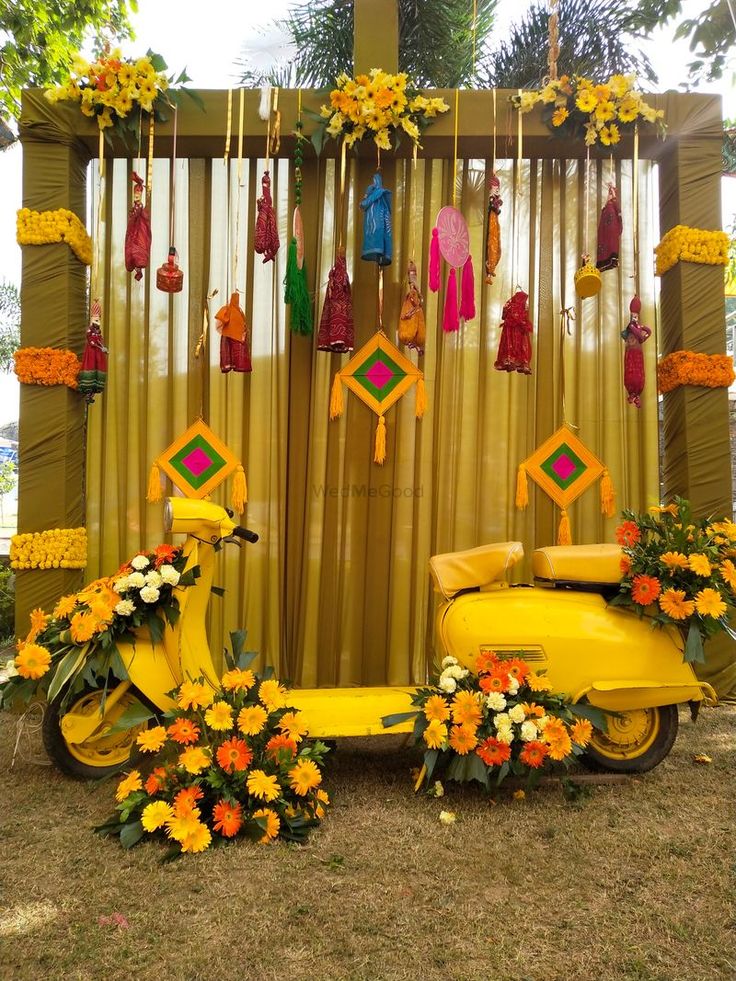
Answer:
(685, 244)
(690, 368)
(47, 227)
(46, 366)
(58, 548)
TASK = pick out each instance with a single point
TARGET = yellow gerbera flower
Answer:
(273, 823)
(198, 839)
(538, 682)
(219, 716)
(194, 694)
(304, 776)
(252, 719)
(436, 708)
(709, 603)
(194, 759)
(610, 135)
(293, 724)
(675, 560)
(151, 740)
(238, 680)
(128, 785)
(728, 571)
(673, 603)
(435, 735)
(156, 815)
(33, 661)
(559, 116)
(586, 101)
(182, 825)
(263, 786)
(700, 564)
(272, 694)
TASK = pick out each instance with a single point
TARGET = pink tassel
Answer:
(434, 262)
(467, 301)
(450, 321)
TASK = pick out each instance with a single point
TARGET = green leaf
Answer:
(159, 65)
(156, 628)
(68, 666)
(502, 773)
(195, 97)
(477, 770)
(131, 834)
(393, 720)
(217, 590)
(597, 716)
(134, 715)
(237, 643)
(430, 761)
(317, 140)
(694, 647)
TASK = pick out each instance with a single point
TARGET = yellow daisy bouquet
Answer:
(680, 571)
(76, 644)
(226, 764)
(576, 107)
(503, 719)
(116, 90)
(378, 105)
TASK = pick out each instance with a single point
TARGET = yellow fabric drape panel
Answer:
(337, 591)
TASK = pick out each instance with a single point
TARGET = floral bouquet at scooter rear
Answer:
(503, 720)
(679, 571)
(231, 763)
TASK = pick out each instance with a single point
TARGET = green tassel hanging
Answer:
(296, 293)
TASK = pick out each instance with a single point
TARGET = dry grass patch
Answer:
(631, 883)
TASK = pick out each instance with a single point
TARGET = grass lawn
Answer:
(635, 881)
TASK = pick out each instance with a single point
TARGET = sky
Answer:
(207, 45)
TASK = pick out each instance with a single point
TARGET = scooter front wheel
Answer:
(636, 741)
(104, 752)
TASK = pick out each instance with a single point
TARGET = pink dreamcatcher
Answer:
(451, 241)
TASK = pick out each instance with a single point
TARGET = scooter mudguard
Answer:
(585, 647)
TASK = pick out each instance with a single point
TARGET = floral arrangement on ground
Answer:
(503, 719)
(576, 106)
(378, 104)
(679, 571)
(77, 643)
(230, 764)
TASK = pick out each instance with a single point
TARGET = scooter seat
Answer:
(600, 564)
(456, 572)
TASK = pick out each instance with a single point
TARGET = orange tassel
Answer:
(336, 405)
(522, 488)
(239, 495)
(380, 454)
(154, 493)
(608, 495)
(421, 399)
(564, 532)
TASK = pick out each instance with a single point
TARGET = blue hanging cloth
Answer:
(377, 237)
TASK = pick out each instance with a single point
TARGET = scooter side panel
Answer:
(576, 638)
(148, 669)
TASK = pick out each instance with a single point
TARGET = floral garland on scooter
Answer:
(77, 642)
(502, 720)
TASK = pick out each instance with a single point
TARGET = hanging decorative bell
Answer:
(169, 277)
(587, 279)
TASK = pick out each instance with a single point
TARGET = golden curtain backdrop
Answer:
(337, 590)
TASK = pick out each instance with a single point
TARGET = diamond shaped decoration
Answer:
(563, 466)
(379, 374)
(197, 461)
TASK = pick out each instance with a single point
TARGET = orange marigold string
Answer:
(46, 366)
(691, 368)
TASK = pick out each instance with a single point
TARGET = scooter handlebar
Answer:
(245, 533)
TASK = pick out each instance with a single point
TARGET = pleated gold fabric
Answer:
(337, 590)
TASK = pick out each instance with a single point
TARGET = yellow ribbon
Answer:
(229, 125)
(454, 158)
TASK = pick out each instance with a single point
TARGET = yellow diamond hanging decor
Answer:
(563, 467)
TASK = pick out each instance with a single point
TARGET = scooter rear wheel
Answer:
(636, 741)
(101, 756)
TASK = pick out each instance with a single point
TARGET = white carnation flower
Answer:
(153, 579)
(542, 723)
(439, 790)
(505, 735)
(528, 731)
(149, 594)
(513, 685)
(517, 714)
(455, 671)
(140, 562)
(169, 575)
(136, 579)
(447, 817)
(496, 701)
(10, 671)
(121, 585)
(125, 607)
(447, 661)
(502, 720)
(447, 684)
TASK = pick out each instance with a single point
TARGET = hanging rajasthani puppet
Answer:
(92, 376)
(450, 239)
(379, 375)
(336, 328)
(563, 467)
(515, 346)
(634, 336)
(138, 232)
(197, 462)
(412, 329)
(266, 239)
(493, 229)
(233, 331)
(610, 227)
(377, 231)
(296, 290)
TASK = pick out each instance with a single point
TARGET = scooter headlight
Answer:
(168, 517)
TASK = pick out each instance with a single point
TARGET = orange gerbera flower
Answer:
(486, 661)
(281, 747)
(304, 776)
(497, 680)
(234, 754)
(493, 752)
(183, 731)
(645, 589)
(38, 619)
(273, 824)
(700, 564)
(533, 754)
(581, 731)
(83, 626)
(463, 738)
(32, 661)
(465, 709)
(165, 554)
(517, 668)
(185, 801)
(675, 560)
(628, 533)
(293, 724)
(65, 606)
(673, 603)
(128, 785)
(557, 738)
(194, 694)
(532, 709)
(625, 565)
(238, 680)
(228, 818)
(156, 781)
(436, 708)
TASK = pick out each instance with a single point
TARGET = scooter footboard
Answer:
(622, 696)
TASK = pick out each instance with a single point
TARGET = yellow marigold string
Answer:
(48, 227)
(58, 548)
(690, 368)
(46, 366)
(685, 244)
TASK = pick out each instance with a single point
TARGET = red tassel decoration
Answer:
(266, 239)
(467, 300)
(434, 262)
(450, 320)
